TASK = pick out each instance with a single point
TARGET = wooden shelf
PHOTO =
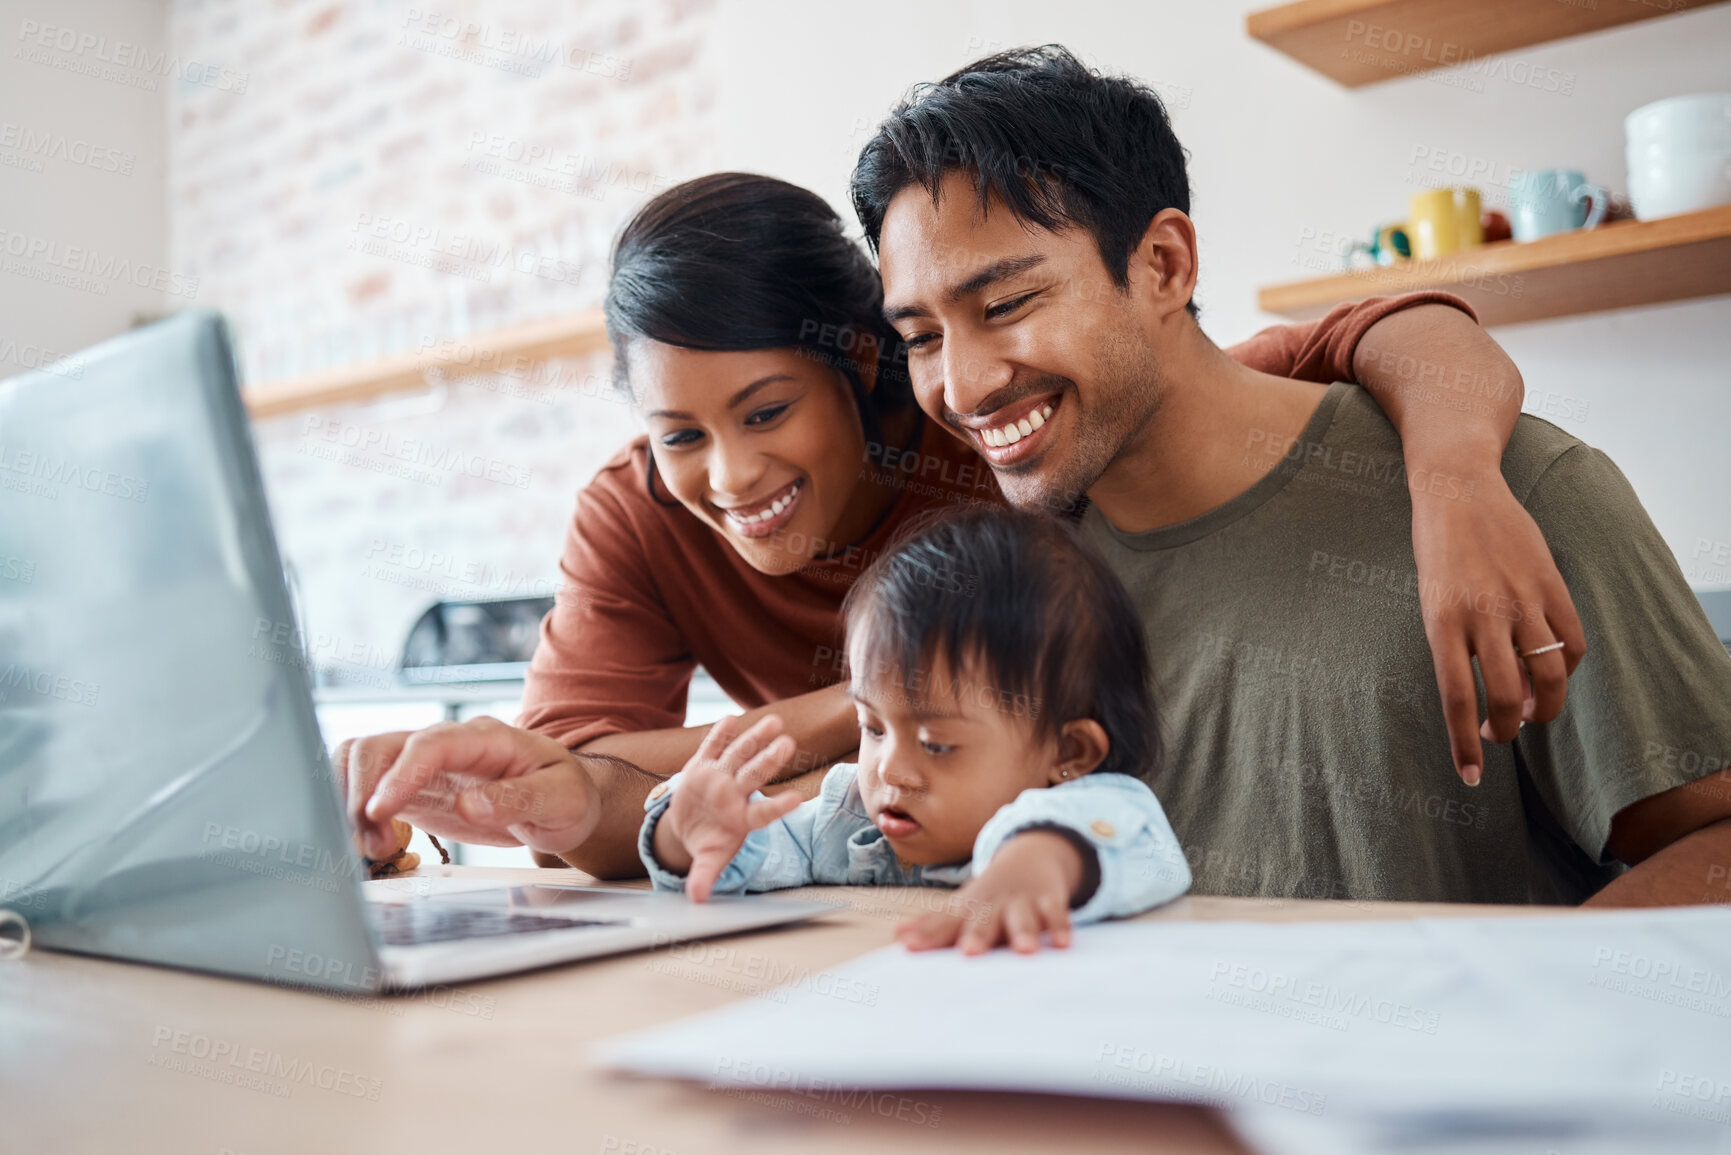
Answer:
(516, 349)
(1358, 42)
(1621, 265)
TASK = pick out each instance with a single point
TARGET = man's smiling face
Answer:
(1018, 339)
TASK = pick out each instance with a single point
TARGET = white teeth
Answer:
(1016, 430)
(779, 505)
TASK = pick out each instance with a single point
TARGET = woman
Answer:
(783, 453)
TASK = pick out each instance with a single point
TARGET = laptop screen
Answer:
(164, 794)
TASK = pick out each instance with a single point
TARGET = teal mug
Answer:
(1554, 200)
(1387, 245)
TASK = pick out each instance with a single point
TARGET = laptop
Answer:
(165, 795)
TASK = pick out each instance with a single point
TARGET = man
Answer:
(1037, 256)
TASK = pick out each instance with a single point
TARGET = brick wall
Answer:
(389, 174)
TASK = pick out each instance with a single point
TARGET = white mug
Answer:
(1553, 200)
(1679, 154)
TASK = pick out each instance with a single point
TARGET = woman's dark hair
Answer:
(1060, 144)
(1020, 600)
(736, 261)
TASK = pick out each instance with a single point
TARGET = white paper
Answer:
(1373, 1026)
(1534, 1131)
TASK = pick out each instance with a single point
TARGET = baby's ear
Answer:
(1082, 746)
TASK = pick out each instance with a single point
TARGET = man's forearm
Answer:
(1449, 389)
(1693, 870)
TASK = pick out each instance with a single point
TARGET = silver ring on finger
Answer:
(1537, 650)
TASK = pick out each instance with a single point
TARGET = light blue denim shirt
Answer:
(829, 841)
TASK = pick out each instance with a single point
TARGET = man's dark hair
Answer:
(1018, 602)
(1060, 144)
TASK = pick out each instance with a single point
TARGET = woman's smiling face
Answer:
(765, 446)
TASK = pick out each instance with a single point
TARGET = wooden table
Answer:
(87, 1059)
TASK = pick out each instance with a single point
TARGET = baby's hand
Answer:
(1026, 890)
(712, 811)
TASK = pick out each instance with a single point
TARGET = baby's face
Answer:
(939, 755)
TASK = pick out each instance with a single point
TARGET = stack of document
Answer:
(1568, 1033)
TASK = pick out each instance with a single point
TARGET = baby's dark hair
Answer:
(1018, 599)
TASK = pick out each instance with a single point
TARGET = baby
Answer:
(1006, 727)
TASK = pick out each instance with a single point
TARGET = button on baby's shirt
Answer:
(1103, 828)
(656, 794)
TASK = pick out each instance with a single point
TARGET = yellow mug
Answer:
(1444, 220)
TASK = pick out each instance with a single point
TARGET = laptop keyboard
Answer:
(419, 923)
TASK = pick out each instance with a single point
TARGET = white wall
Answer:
(1281, 156)
(83, 179)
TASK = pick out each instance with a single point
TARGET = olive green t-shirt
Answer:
(1306, 754)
